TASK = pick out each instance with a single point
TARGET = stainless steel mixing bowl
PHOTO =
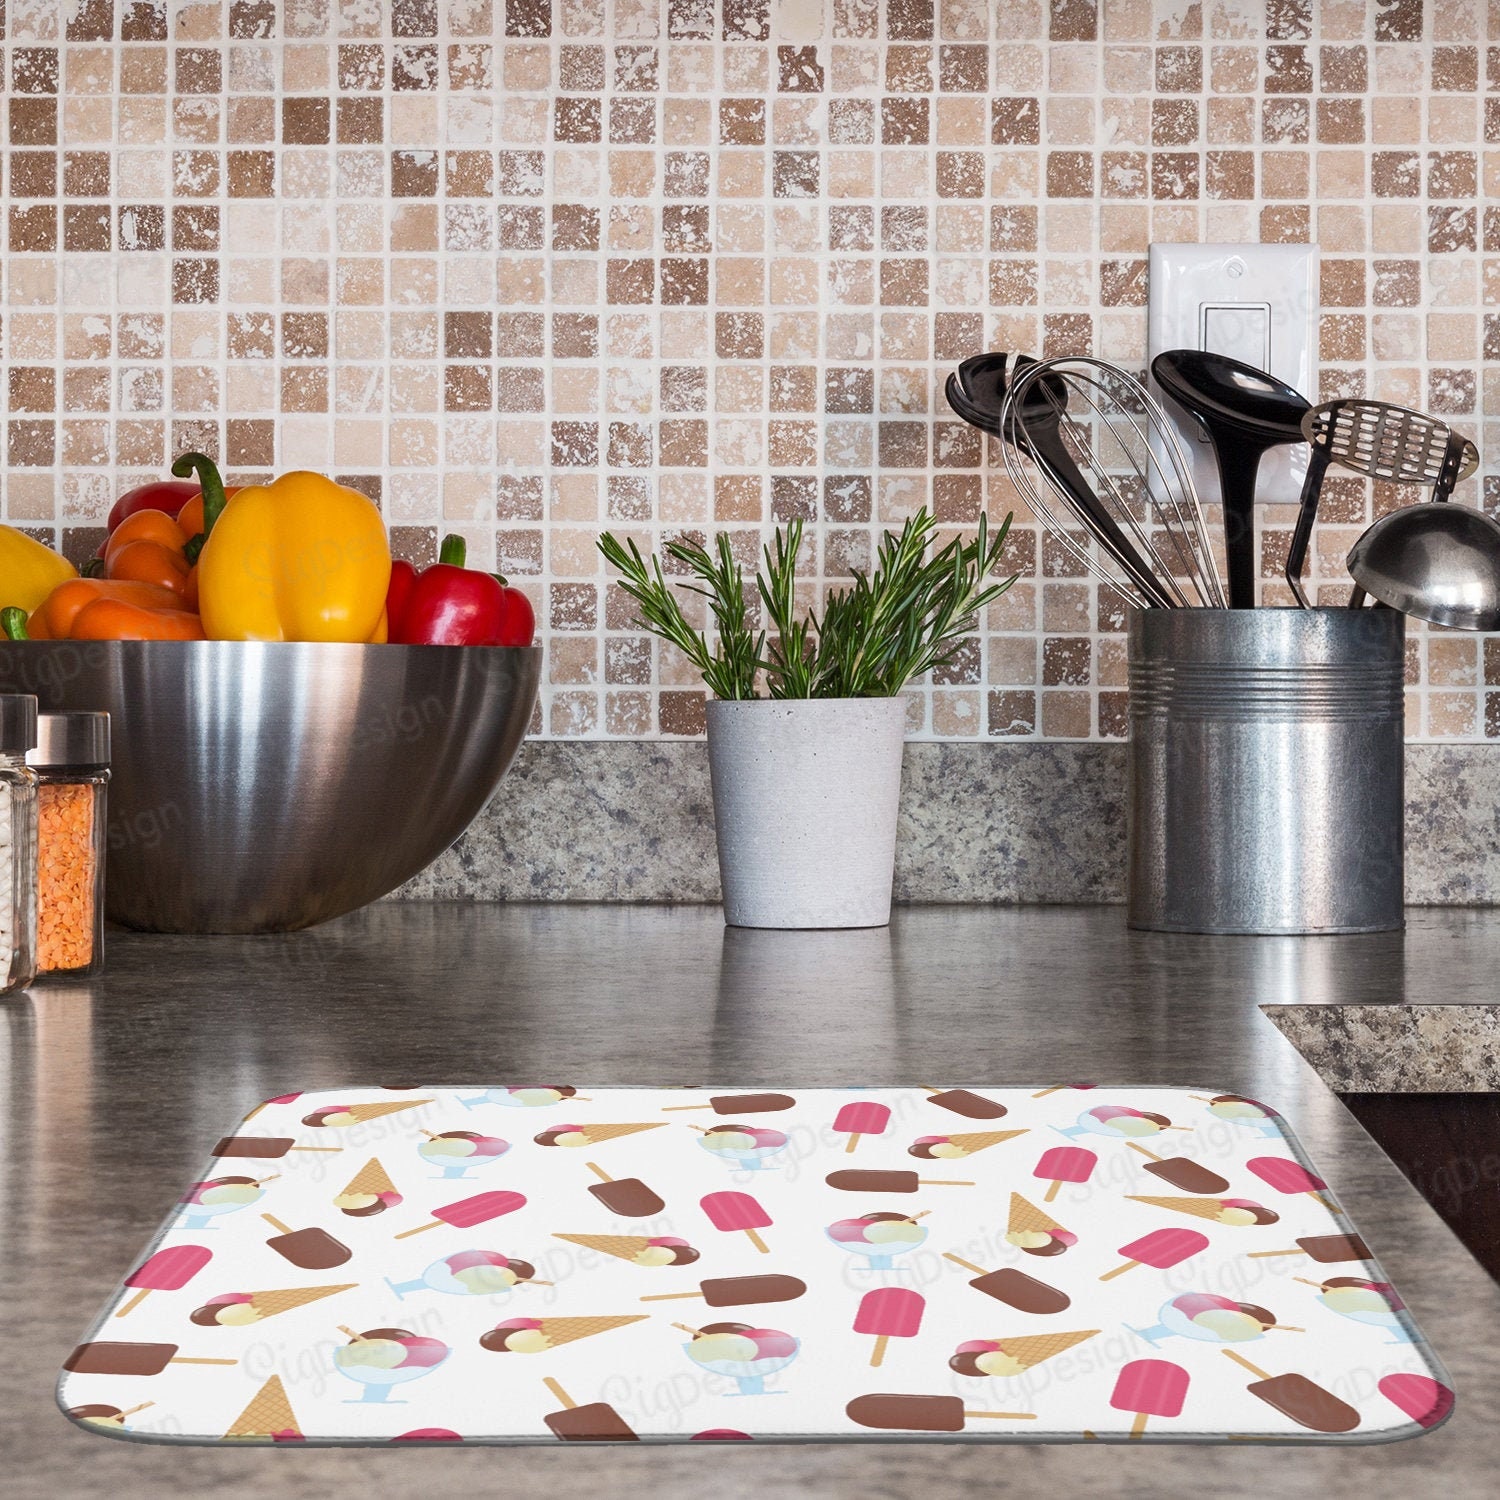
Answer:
(263, 788)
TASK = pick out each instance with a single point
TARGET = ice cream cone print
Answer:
(269, 1414)
(1220, 1210)
(597, 1133)
(1006, 1358)
(1031, 1349)
(370, 1191)
(1027, 1218)
(982, 1140)
(625, 1246)
(534, 1335)
(362, 1112)
(268, 1304)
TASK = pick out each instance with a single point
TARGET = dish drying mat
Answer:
(534, 1264)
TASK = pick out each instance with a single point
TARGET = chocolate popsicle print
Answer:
(627, 1196)
(1182, 1172)
(738, 1291)
(168, 1270)
(598, 1422)
(1326, 1249)
(1299, 1398)
(311, 1249)
(920, 1413)
(962, 1102)
(739, 1104)
(263, 1147)
(858, 1180)
(468, 1212)
(1014, 1288)
(1162, 1248)
(106, 1358)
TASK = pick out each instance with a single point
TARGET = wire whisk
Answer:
(1117, 489)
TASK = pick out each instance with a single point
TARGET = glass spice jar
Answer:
(18, 813)
(71, 762)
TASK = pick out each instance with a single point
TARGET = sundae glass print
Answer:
(1117, 1121)
(456, 1152)
(879, 1237)
(1363, 1301)
(206, 1201)
(1249, 1113)
(470, 1273)
(523, 1097)
(386, 1357)
(1213, 1319)
(747, 1355)
(743, 1146)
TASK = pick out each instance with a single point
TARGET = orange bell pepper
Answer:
(96, 609)
(147, 547)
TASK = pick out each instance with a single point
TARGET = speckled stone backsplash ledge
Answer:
(1025, 823)
(527, 270)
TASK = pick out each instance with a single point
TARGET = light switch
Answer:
(1255, 303)
(1241, 330)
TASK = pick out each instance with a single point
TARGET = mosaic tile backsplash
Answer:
(527, 271)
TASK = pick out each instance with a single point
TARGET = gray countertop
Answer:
(116, 1087)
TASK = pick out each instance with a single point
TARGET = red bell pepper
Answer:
(451, 605)
(169, 495)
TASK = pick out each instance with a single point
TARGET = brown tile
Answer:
(520, 226)
(1395, 174)
(33, 70)
(305, 122)
(574, 336)
(468, 388)
(1452, 174)
(33, 122)
(86, 227)
(851, 122)
(33, 174)
(252, 20)
(520, 388)
(1010, 713)
(1174, 174)
(683, 712)
(361, 67)
(573, 606)
(1174, 122)
(195, 226)
(1230, 175)
(304, 388)
(521, 174)
(1179, 70)
(1399, 21)
(415, 67)
(685, 174)
(575, 445)
(1285, 122)
(32, 388)
(905, 121)
(1342, 283)
(1341, 121)
(794, 174)
(252, 174)
(1070, 174)
(1455, 69)
(742, 122)
(250, 444)
(251, 121)
(198, 70)
(194, 280)
(1343, 70)
(304, 335)
(1451, 229)
(1015, 121)
(1288, 71)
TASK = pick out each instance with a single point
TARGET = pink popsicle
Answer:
(1064, 1164)
(1286, 1176)
(889, 1312)
(1161, 1248)
(1426, 1401)
(168, 1270)
(737, 1211)
(468, 1212)
(863, 1117)
(1150, 1388)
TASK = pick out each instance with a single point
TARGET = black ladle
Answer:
(977, 391)
(1245, 413)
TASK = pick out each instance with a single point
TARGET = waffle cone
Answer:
(1027, 1217)
(1201, 1208)
(1032, 1348)
(593, 1133)
(566, 1330)
(268, 1413)
(268, 1304)
(626, 1246)
(371, 1178)
(362, 1112)
(979, 1140)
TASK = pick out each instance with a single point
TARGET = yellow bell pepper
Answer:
(28, 570)
(300, 559)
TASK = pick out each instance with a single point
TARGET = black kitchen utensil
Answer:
(1381, 441)
(1245, 412)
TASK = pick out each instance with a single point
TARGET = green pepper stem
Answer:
(500, 579)
(13, 623)
(454, 551)
(212, 486)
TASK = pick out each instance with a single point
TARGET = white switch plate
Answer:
(1256, 303)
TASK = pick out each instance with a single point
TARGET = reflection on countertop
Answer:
(114, 1088)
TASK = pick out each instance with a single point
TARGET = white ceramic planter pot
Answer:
(805, 800)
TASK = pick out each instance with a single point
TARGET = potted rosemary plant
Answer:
(806, 723)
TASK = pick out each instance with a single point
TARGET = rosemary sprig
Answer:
(911, 614)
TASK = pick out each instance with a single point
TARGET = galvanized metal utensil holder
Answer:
(1265, 782)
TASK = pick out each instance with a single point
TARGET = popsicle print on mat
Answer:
(627, 1196)
(1014, 1288)
(168, 1270)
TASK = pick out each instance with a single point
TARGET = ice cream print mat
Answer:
(534, 1264)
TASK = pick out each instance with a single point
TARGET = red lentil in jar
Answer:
(71, 760)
